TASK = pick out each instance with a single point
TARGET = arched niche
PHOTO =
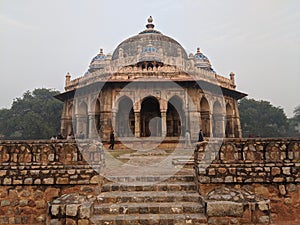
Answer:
(82, 127)
(205, 116)
(218, 120)
(125, 124)
(150, 123)
(229, 132)
(175, 117)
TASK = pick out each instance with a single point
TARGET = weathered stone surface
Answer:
(32, 195)
(48, 180)
(83, 222)
(282, 189)
(54, 222)
(264, 220)
(224, 208)
(275, 171)
(72, 209)
(5, 203)
(95, 179)
(264, 205)
(85, 211)
(55, 210)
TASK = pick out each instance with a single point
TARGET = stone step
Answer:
(150, 207)
(149, 219)
(151, 178)
(145, 186)
(158, 196)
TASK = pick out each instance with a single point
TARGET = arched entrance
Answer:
(97, 117)
(70, 120)
(218, 120)
(229, 121)
(82, 120)
(150, 118)
(175, 118)
(205, 117)
(125, 118)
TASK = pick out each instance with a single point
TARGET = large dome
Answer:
(149, 45)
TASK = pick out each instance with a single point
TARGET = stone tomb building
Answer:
(150, 87)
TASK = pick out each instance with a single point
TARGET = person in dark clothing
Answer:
(112, 140)
(59, 136)
(200, 136)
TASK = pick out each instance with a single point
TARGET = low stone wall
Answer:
(33, 173)
(265, 167)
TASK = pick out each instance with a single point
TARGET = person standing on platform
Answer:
(200, 136)
(112, 140)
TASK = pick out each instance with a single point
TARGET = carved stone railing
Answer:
(248, 161)
(260, 171)
(50, 162)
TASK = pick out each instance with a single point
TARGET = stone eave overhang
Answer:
(65, 95)
(200, 83)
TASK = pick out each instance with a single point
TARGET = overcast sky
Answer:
(259, 40)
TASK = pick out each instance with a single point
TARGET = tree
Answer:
(297, 114)
(35, 115)
(261, 118)
(294, 122)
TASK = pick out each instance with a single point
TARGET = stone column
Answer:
(113, 119)
(194, 123)
(231, 121)
(137, 122)
(187, 121)
(81, 125)
(222, 124)
(211, 134)
(78, 125)
(163, 123)
(219, 121)
(92, 133)
(68, 128)
(64, 122)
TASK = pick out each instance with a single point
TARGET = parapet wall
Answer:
(248, 161)
(266, 167)
(32, 173)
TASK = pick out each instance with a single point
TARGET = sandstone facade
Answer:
(149, 86)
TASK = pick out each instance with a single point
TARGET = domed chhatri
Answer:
(98, 62)
(171, 93)
(201, 61)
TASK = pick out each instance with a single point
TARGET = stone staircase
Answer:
(149, 200)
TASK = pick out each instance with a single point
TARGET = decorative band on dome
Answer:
(150, 53)
(149, 49)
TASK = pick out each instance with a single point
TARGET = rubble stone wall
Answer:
(33, 173)
(267, 167)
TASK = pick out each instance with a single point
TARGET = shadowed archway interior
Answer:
(150, 118)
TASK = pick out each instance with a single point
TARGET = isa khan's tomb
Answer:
(178, 158)
(150, 75)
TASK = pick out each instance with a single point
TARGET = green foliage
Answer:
(296, 116)
(295, 121)
(261, 119)
(35, 115)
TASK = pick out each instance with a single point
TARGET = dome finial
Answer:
(198, 50)
(150, 25)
